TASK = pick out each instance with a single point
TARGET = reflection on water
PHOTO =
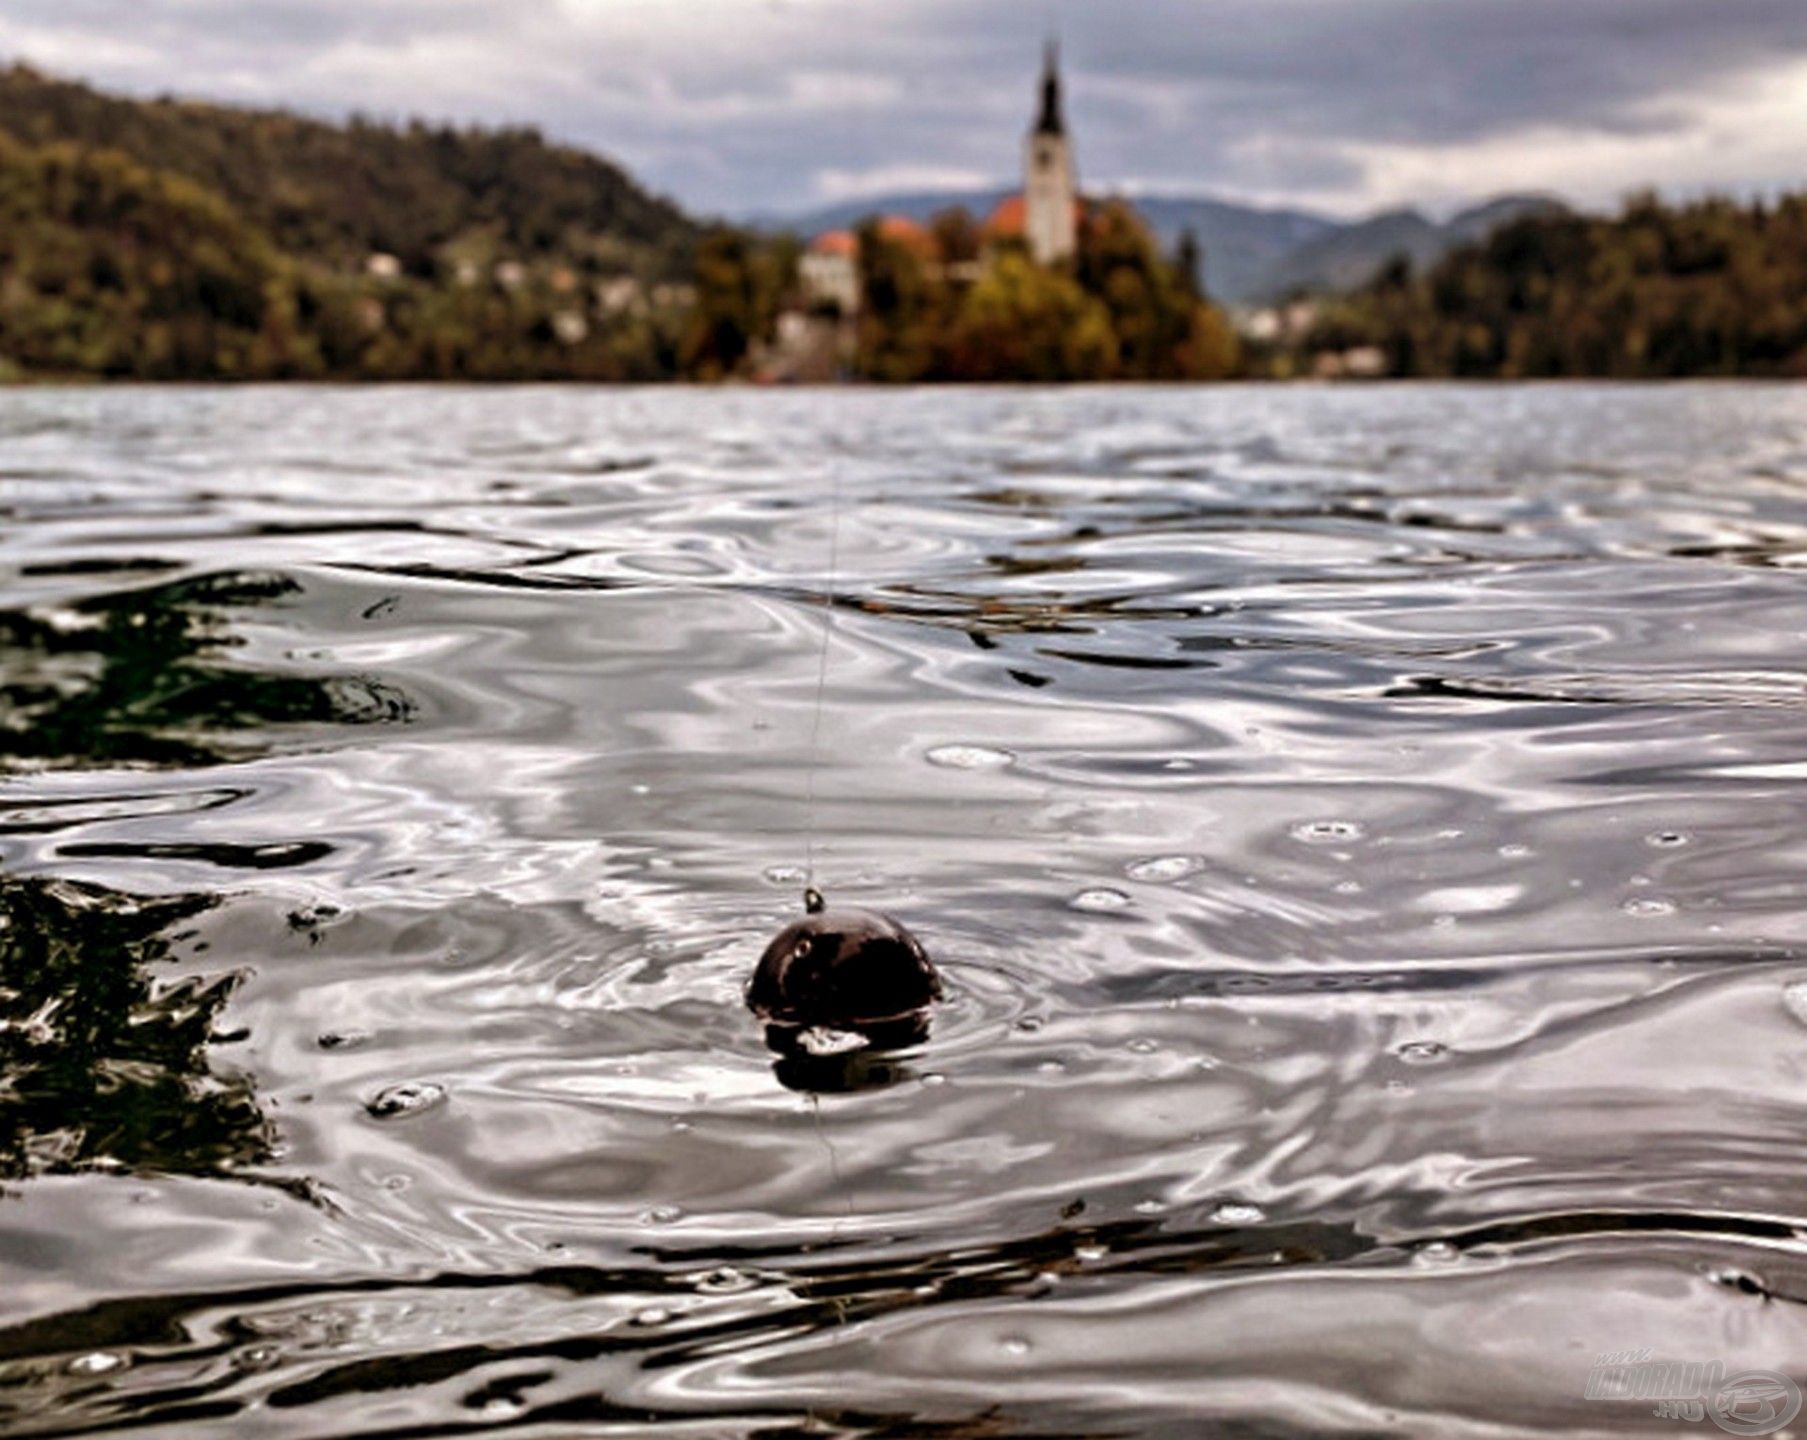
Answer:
(138, 676)
(1359, 832)
(105, 1064)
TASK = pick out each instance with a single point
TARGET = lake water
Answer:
(1363, 831)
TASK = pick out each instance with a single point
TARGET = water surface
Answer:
(1362, 831)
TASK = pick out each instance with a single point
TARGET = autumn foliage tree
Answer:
(1121, 310)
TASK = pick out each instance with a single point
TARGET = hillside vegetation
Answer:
(1708, 288)
(165, 239)
(337, 193)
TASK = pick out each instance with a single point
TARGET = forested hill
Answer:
(1713, 287)
(337, 193)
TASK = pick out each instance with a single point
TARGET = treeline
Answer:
(430, 195)
(110, 269)
(170, 240)
(1121, 311)
(948, 303)
(1712, 287)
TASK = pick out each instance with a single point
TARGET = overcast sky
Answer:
(735, 106)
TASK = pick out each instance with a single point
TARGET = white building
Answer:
(830, 271)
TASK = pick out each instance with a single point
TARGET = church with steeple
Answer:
(1050, 194)
(1045, 214)
(1044, 217)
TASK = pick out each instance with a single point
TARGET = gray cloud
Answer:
(737, 105)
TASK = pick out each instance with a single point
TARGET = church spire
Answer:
(1050, 195)
(1050, 122)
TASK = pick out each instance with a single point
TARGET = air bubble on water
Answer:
(503, 1407)
(1328, 832)
(1162, 869)
(1091, 1254)
(1666, 839)
(1348, 887)
(934, 1077)
(1150, 1207)
(1015, 1345)
(969, 757)
(1735, 1279)
(651, 1315)
(1436, 1253)
(724, 1280)
(1422, 1052)
(1100, 900)
(1514, 852)
(662, 1215)
(411, 1097)
(1052, 1067)
(254, 1358)
(785, 875)
(1238, 1212)
(1142, 1046)
(1646, 906)
(97, 1362)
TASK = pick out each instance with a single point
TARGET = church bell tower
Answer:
(1050, 198)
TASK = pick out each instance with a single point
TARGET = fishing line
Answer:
(815, 724)
(837, 1185)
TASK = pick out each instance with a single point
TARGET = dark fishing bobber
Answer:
(843, 970)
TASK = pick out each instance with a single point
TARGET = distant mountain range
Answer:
(1252, 255)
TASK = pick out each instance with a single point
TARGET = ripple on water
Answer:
(969, 757)
(411, 1097)
(1162, 869)
(1409, 661)
(1328, 832)
(97, 1362)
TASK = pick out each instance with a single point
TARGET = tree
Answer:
(903, 309)
(737, 294)
(1024, 321)
(1189, 265)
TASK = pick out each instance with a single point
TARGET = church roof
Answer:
(899, 229)
(835, 242)
(1050, 121)
(1010, 215)
(902, 230)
